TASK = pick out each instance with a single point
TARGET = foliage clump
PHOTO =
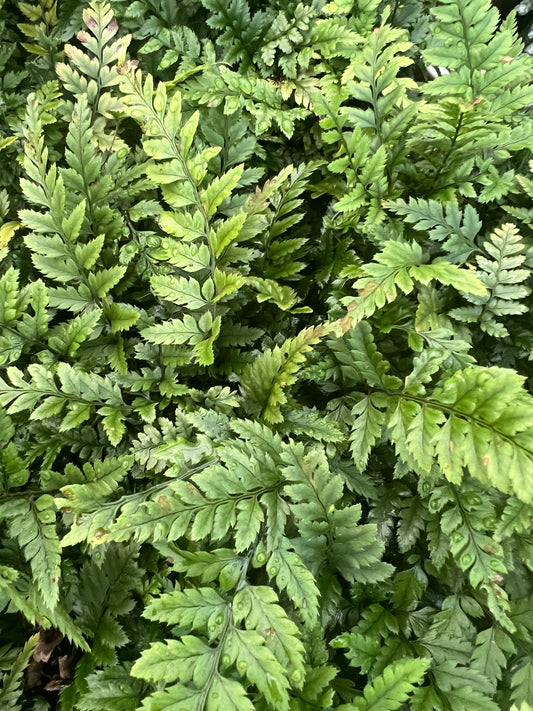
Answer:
(266, 422)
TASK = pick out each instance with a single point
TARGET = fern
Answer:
(12, 682)
(456, 229)
(257, 658)
(390, 690)
(242, 31)
(263, 381)
(397, 267)
(113, 687)
(329, 534)
(478, 68)
(522, 683)
(265, 346)
(503, 279)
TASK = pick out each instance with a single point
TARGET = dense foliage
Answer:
(266, 331)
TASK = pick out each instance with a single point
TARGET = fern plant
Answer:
(266, 432)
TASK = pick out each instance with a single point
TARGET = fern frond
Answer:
(486, 418)
(258, 608)
(391, 689)
(12, 683)
(113, 689)
(455, 228)
(330, 535)
(396, 268)
(463, 516)
(522, 683)
(478, 69)
(32, 525)
(241, 32)
(97, 481)
(263, 381)
(258, 652)
(105, 599)
(503, 277)
(287, 569)
(80, 394)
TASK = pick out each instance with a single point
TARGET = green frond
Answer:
(480, 419)
(266, 428)
(241, 31)
(287, 569)
(112, 689)
(522, 684)
(396, 269)
(264, 380)
(330, 535)
(479, 48)
(456, 229)
(391, 689)
(80, 395)
(12, 682)
(503, 275)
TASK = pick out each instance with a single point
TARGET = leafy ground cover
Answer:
(266, 423)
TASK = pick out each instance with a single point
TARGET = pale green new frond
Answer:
(220, 189)
(186, 659)
(481, 420)
(374, 79)
(288, 570)
(281, 256)
(93, 71)
(80, 394)
(464, 38)
(254, 660)
(368, 421)
(10, 297)
(269, 290)
(85, 162)
(222, 692)
(66, 338)
(462, 518)
(222, 564)
(182, 291)
(216, 500)
(517, 517)
(267, 653)
(97, 481)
